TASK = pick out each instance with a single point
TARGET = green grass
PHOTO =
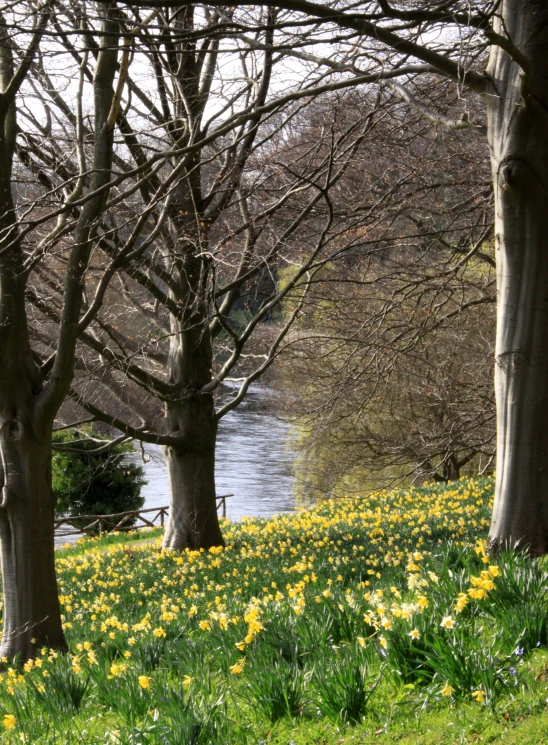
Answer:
(348, 623)
(108, 540)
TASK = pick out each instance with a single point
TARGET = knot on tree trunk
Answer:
(510, 169)
(512, 361)
(517, 173)
(13, 430)
(509, 172)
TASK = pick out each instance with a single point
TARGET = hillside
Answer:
(378, 620)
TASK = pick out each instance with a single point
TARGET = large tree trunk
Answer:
(518, 126)
(31, 607)
(193, 521)
(31, 613)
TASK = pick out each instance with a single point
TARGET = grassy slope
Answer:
(314, 600)
(85, 545)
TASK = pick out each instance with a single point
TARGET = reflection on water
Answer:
(254, 462)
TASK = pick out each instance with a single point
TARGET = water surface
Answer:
(253, 461)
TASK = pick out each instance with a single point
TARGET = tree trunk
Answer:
(31, 607)
(28, 407)
(517, 124)
(451, 470)
(31, 613)
(190, 415)
(192, 521)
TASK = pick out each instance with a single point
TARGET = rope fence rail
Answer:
(133, 520)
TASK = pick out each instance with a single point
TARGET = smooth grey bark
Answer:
(517, 130)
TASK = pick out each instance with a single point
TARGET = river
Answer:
(254, 461)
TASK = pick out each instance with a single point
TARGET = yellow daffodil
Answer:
(9, 721)
(238, 667)
(117, 669)
(422, 602)
(447, 690)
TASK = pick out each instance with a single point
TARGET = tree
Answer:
(448, 38)
(30, 392)
(373, 409)
(225, 217)
(87, 198)
(390, 368)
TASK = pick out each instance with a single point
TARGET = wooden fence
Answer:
(97, 524)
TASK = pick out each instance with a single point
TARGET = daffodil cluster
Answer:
(375, 575)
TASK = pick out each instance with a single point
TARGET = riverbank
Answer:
(357, 621)
(85, 544)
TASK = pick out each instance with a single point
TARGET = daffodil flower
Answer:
(447, 690)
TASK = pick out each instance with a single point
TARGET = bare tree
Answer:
(377, 403)
(207, 216)
(248, 242)
(31, 392)
(59, 209)
(390, 366)
(448, 38)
